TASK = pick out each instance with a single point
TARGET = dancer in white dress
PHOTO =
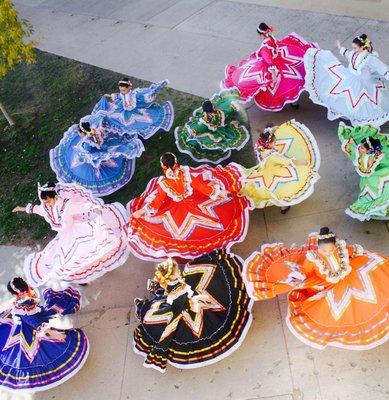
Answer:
(359, 92)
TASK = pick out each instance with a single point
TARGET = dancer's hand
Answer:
(19, 209)
(108, 96)
(138, 213)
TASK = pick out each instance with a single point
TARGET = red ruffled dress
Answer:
(188, 213)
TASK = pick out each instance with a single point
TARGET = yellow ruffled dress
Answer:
(279, 178)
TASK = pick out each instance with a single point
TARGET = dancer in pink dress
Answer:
(90, 238)
(274, 75)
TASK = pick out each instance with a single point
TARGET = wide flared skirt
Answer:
(252, 79)
(83, 253)
(285, 185)
(100, 177)
(144, 121)
(211, 334)
(352, 313)
(55, 363)
(211, 146)
(361, 99)
(193, 226)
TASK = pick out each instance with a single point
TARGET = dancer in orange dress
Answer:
(188, 212)
(338, 293)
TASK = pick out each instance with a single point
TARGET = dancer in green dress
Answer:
(369, 152)
(215, 129)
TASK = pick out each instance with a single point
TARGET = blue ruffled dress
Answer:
(137, 111)
(30, 359)
(102, 163)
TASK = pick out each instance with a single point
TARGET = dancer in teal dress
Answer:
(369, 152)
(215, 129)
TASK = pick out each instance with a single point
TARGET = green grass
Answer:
(45, 99)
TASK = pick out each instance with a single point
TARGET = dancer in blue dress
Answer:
(136, 109)
(98, 154)
(34, 356)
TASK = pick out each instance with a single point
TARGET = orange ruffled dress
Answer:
(187, 214)
(340, 301)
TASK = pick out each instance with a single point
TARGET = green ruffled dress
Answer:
(211, 137)
(373, 168)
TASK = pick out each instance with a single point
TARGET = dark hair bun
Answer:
(17, 283)
(51, 184)
(363, 36)
(324, 231)
(208, 106)
(263, 26)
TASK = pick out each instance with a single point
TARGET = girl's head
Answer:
(167, 271)
(17, 285)
(125, 85)
(84, 128)
(208, 107)
(326, 241)
(370, 145)
(264, 30)
(168, 160)
(48, 193)
(361, 43)
(267, 139)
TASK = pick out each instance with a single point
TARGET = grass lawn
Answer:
(45, 99)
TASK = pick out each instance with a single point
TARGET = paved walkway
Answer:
(187, 41)
(190, 41)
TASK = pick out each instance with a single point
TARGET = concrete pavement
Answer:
(189, 42)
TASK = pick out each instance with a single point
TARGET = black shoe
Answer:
(285, 210)
(296, 106)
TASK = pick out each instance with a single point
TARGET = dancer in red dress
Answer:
(188, 212)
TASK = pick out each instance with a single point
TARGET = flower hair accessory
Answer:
(46, 188)
(327, 236)
(163, 271)
(265, 143)
(265, 31)
(125, 83)
(14, 288)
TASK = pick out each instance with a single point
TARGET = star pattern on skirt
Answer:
(365, 292)
(206, 219)
(370, 93)
(201, 301)
(16, 337)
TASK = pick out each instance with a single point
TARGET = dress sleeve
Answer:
(366, 164)
(354, 250)
(348, 144)
(378, 67)
(146, 96)
(346, 53)
(282, 160)
(206, 187)
(267, 57)
(35, 209)
(155, 201)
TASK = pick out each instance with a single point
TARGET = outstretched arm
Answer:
(30, 209)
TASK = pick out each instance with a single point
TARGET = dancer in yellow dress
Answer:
(288, 161)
